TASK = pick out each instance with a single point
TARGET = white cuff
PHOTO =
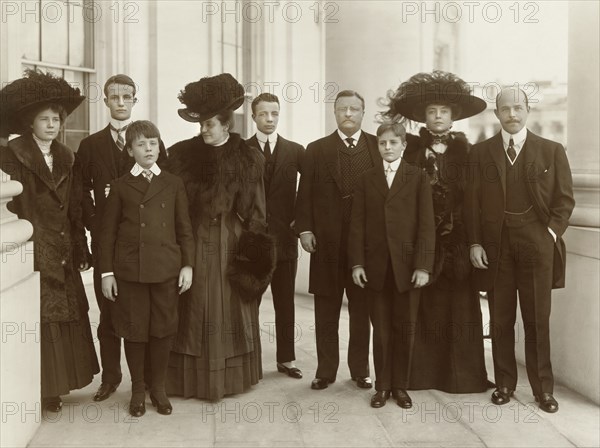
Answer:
(108, 274)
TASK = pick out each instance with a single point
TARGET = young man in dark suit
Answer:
(282, 164)
(146, 260)
(517, 207)
(391, 248)
(331, 168)
(102, 159)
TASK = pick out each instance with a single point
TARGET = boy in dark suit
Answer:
(282, 164)
(391, 250)
(102, 159)
(147, 251)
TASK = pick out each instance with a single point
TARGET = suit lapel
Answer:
(530, 149)
(496, 149)
(63, 162)
(281, 154)
(379, 181)
(106, 153)
(403, 175)
(156, 186)
(138, 183)
(331, 158)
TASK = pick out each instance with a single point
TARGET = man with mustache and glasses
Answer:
(330, 170)
(518, 202)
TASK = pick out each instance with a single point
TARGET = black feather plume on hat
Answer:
(411, 97)
(34, 90)
(209, 96)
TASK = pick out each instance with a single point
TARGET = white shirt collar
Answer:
(395, 164)
(518, 138)
(117, 124)
(355, 136)
(222, 143)
(136, 170)
(262, 138)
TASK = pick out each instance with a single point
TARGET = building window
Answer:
(58, 38)
(234, 44)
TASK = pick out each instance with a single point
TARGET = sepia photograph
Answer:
(256, 223)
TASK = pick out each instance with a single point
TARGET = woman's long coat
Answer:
(51, 202)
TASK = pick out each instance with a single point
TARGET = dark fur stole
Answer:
(217, 179)
(448, 181)
(220, 180)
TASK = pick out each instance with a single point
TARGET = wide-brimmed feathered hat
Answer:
(438, 87)
(210, 96)
(33, 91)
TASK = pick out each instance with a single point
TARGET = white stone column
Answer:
(575, 322)
(20, 311)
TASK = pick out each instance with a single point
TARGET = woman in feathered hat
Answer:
(36, 107)
(217, 348)
(448, 349)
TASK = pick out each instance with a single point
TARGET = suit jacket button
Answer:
(143, 224)
(64, 262)
(62, 233)
(162, 205)
(164, 224)
(61, 206)
(141, 244)
(141, 205)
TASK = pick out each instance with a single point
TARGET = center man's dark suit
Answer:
(101, 162)
(281, 174)
(522, 254)
(320, 210)
(392, 234)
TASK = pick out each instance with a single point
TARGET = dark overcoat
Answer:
(51, 201)
(319, 208)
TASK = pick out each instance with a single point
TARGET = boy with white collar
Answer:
(147, 253)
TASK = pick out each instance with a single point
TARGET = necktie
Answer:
(389, 177)
(267, 150)
(120, 136)
(510, 151)
(350, 141)
(148, 175)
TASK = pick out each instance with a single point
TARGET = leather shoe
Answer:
(294, 372)
(320, 383)
(52, 404)
(364, 382)
(378, 400)
(161, 408)
(402, 398)
(104, 391)
(547, 403)
(137, 409)
(502, 395)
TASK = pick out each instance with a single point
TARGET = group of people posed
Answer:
(185, 240)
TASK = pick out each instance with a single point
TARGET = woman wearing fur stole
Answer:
(448, 349)
(217, 349)
(36, 107)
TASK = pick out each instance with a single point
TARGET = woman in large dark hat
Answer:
(448, 350)
(36, 107)
(217, 349)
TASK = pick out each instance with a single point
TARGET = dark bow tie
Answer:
(440, 139)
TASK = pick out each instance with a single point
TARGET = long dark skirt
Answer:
(448, 350)
(68, 357)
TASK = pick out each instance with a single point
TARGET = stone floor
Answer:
(281, 411)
